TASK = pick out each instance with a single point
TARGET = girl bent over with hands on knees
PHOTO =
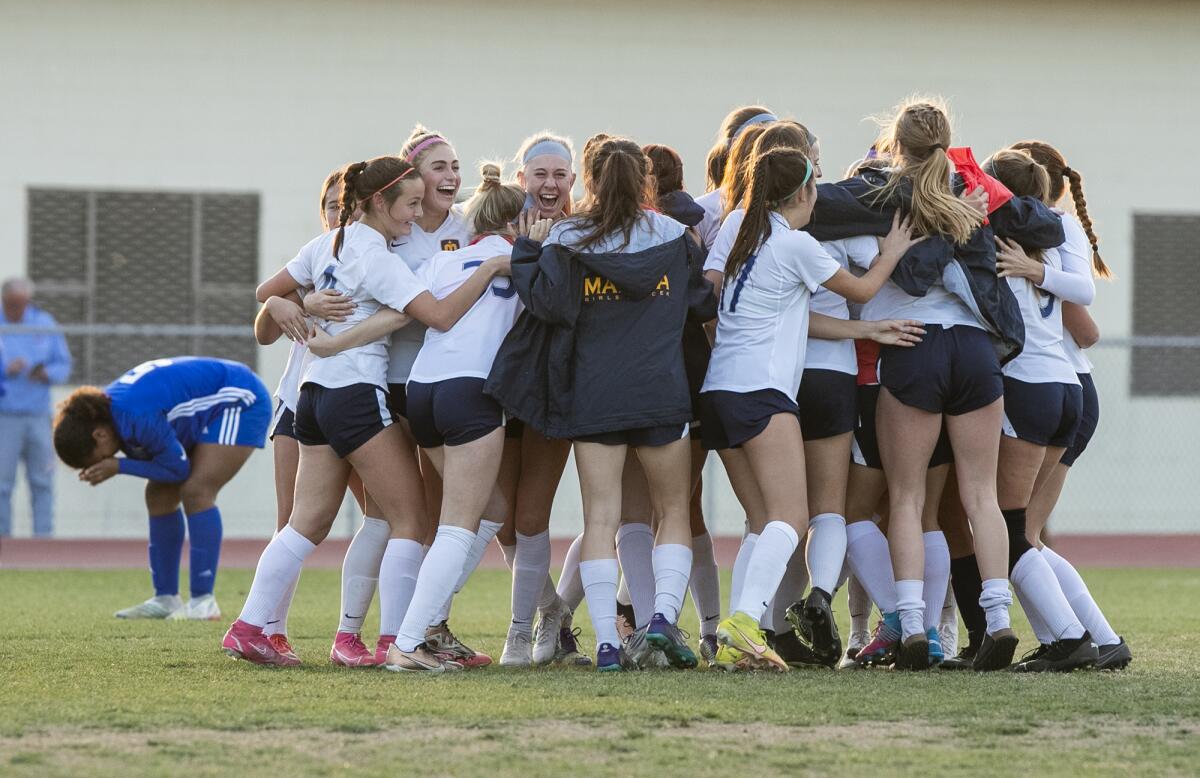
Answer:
(342, 417)
(607, 295)
(186, 425)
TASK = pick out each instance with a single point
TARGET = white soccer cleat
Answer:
(545, 637)
(948, 636)
(160, 607)
(518, 650)
(202, 608)
(858, 641)
(948, 625)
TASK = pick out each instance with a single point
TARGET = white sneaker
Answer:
(858, 641)
(948, 635)
(545, 636)
(948, 625)
(518, 650)
(202, 608)
(154, 608)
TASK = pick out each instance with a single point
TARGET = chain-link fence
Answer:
(1141, 473)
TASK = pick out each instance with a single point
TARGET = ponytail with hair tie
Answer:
(777, 175)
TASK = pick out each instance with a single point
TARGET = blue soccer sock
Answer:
(204, 534)
(166, 546)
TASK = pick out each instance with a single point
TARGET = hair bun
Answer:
(489, 172)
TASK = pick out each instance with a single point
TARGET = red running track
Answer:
(101, 554)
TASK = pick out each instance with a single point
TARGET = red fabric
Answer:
(964, 162)
(867, 352)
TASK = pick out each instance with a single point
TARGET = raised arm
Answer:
(444, 313)
(861, 289)
(1028, 221)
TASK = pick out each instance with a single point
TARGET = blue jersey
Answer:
(162, 408)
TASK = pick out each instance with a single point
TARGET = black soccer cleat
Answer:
(913, 653)
(996, 651)
(1114, 656)
(1061, 656)
(813, 621)
(963, 661)
(793, 651)
(626, 612)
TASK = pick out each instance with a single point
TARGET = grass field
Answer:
(82, 692)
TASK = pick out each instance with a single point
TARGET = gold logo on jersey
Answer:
(600, 289)
(451, 244)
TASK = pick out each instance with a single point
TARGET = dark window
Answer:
(155, 260)
(1166, 275)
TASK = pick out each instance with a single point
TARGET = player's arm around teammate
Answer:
(1043, 411)
(747, 399)
(342, 417)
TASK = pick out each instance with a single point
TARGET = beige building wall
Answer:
(269, 96)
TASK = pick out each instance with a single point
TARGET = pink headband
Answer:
(432, 139)
(391, 183)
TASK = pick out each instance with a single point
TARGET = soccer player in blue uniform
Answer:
(186, 425)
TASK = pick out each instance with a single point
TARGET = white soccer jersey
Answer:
(1043, 360)
(762, 327)
(723, 240)
(1076, 253)
(415, 248)
(468, 348)
(838, 355)
(711, 223)
(938, 306)
(369, 275)
(820, 354)
(288, 390)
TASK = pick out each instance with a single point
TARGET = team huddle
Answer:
(890, 368)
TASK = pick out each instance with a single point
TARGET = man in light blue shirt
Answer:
(32, 362)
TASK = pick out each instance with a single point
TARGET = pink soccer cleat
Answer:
(443, 642)
(246, 641)
(349, 651)
(282, 645)
(381, 648)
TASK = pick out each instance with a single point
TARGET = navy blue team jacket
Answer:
(599, 347)
(847, 208)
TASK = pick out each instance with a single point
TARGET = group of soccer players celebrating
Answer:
(890, 368)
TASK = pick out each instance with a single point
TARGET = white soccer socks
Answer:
(442, 568)
(278, 570)
(870, 560)
(530, 567)
(599, 581)
(397, 579)
(360, 572)
(672, 566)
(765, 568)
